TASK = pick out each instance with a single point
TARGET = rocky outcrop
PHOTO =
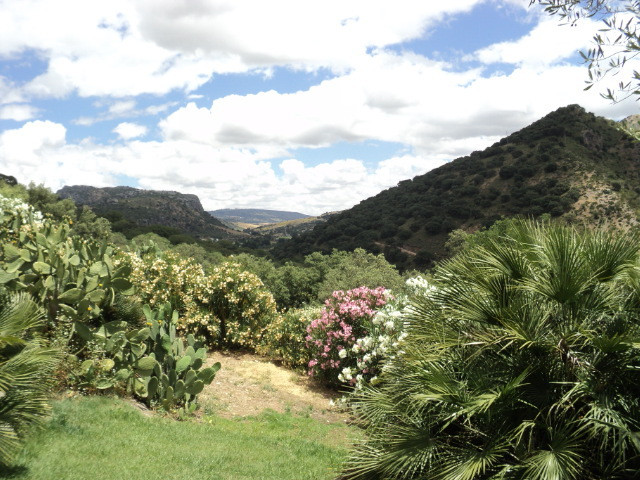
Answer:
(149, 207)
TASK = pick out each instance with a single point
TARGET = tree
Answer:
(522, 363)
(359, 268)
(616, 45)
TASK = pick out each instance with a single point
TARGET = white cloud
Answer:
(122, 107)
(128, 48)
(18, 112)
(231, 154)
(127, 130)
(390, 97)
(548, 43)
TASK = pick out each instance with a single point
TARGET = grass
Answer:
(106, 438)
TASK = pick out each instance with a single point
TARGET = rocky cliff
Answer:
(149, 207)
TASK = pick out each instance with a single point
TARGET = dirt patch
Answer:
(247, 384)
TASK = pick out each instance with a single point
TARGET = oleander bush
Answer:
(346, 317)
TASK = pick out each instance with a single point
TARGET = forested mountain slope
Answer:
(568, 164)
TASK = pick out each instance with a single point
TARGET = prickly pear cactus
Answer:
(71, 277)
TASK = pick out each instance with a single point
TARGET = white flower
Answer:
(342, 353)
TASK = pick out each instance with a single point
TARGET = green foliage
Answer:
(47, 202)
(541, 169)
(152, 362)
(26, 365)
(17, 191)
(616, 45)
(84, 222)
(198, 254)
(70, 277)
(284, 337)
(161, 244)
(349, 270)
(292, 286)
(522, 363)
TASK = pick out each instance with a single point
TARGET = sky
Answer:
(300, 105)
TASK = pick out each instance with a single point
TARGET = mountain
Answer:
(252, 217)
(290, 228)
(569, 164)
(129, 208)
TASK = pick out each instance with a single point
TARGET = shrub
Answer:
(238, 307)
(151, 362)
(522, 363)
(72, 278)
(346, 317)
(284, 337)
(25, 366)
(229, 306)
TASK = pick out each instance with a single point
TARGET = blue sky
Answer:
(293, 105)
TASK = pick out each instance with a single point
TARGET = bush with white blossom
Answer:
(346, 318)
(383, 333)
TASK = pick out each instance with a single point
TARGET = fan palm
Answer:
(523, 364)
(25, 366)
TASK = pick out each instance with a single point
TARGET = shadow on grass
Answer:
(13, 472)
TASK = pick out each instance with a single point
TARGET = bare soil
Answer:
(247, 384)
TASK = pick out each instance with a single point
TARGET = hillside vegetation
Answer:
(131, 210)
(569, 164)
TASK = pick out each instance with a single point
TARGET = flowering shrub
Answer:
(358, 332)
(239, 305)
(284, 338)
(369, 352)
(346, 317)
(385, 336)
(229, 306)
(17, 218)
(167, 278)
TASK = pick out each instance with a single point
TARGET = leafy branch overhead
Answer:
(616, 45)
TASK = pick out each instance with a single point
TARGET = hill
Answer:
(569, 164)
(290, 228)
(130, 208)
(252, 217)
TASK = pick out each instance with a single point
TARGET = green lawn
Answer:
(105, 438)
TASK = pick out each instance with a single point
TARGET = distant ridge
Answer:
(254, 216)
(146, 208)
